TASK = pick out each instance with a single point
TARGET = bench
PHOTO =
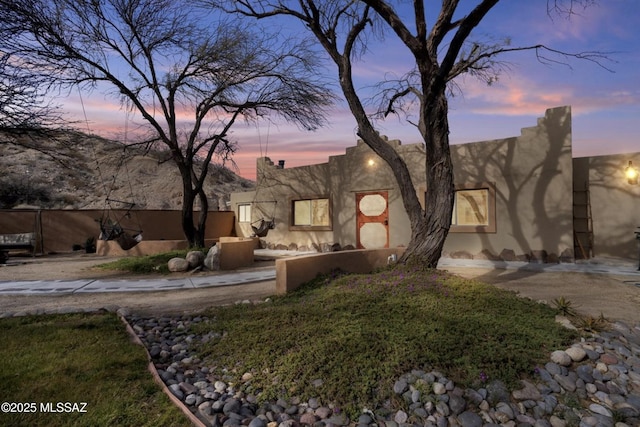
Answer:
(16, 241)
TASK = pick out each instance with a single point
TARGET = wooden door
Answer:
(372, 220)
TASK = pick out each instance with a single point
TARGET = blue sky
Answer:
(605, 104)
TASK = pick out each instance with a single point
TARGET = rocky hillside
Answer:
(80, 171)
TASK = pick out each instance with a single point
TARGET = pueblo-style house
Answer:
(519, 198)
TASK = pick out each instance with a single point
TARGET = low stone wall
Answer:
(146, 247)
(292, 272)
(236, 252)
(535, 256)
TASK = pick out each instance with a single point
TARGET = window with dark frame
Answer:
(311, 214)
(474, 209)
(471, 207)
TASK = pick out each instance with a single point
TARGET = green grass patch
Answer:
(145, 264)
(79, 358)
(359, 333)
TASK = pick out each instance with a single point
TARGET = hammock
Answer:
(110, 230)
(263, 229)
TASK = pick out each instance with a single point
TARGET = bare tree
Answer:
(190, 74)
(27, 117)
(442, 49)
(22, 106)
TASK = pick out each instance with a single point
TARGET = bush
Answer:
(16, 190)
(90, 245)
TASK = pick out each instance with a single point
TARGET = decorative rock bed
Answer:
(595, 382)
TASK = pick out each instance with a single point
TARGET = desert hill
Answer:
(80, 171)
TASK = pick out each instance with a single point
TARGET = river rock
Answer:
(577, 354)
(561, 358)
(470, 419)
(599, 409)
(177, 265)
(194, 258)
(400, 386)
(212, 260)
(401, 417)
(603, 386)
(529, 392)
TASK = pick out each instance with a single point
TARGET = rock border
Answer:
(122, 313)
(600, 373)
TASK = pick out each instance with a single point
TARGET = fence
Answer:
(59, 231)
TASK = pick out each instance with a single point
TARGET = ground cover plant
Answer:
(50, 363)
(347, 338)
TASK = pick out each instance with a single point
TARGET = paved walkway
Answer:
(596, 266)
(40, 287)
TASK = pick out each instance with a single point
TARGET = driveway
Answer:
(616, 296)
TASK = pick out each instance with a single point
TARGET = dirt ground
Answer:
(616, 297)
(143, 303)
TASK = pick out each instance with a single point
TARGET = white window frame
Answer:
(244, 212)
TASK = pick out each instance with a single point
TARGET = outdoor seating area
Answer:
(16, 241)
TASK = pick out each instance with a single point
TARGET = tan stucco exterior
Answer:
(236, 252)
(530, 179)
(293, 272)
(614, 204)
(545, 205)
(532, 175)
(339, 180)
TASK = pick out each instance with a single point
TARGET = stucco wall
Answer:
(275, 191)
(236, 252)
(293, 272)
(532, 175)
(615, 204)
(360, 170)
(340, 179)
(247, 197)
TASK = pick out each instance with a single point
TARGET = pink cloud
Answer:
(523, 95)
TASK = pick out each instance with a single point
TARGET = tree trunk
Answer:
(429, 231)
(202, 219)
(187, 222)
(188, 196)
(429, 226)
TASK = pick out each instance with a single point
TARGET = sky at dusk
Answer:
(605, 103)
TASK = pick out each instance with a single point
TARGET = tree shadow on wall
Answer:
(533, 176)
(616, 208)
(277, 188)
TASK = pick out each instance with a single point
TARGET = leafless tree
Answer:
(439, 38)
(27, 117)
(190, 73)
